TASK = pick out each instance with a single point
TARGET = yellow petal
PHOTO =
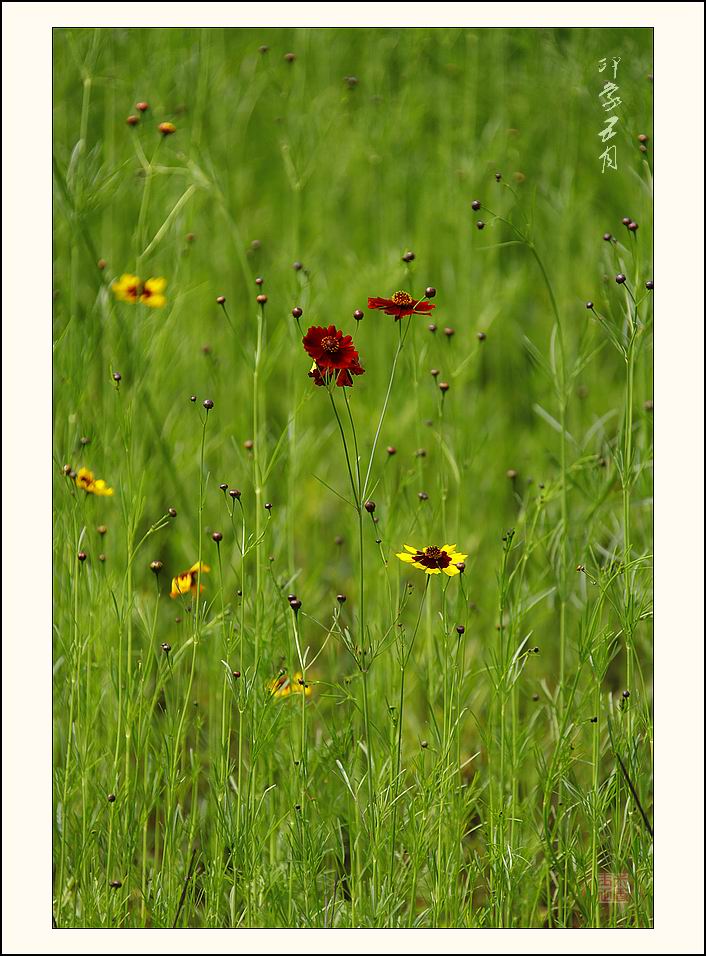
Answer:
(459, 557)
(451, 570)
(155, 301)
(449, 548)
(200, 567)
(431, 570)
(407, 558)
(411, 550)
(156, 285)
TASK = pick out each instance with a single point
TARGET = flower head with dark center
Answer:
(188, 581)
(334, 354)
(400, 304)
(91, 485)
(434, 560)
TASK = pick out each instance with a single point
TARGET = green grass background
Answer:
(272, 163)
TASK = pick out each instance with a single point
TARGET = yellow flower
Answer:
(127, 288)
(188, 581)
(282, 686)
(130, 288)
(434, 560)
(153, 293)
(93, 486)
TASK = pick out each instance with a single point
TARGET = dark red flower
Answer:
(334, 355)
(401, 304)
(329, 347)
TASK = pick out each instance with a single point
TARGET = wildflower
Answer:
(434, 560)
(153, 293)
(130, 288)
(91, 485)
(401, 304)
(334, 356)
(127, 288)
(166, 129)
(188, 581)
(282, 686)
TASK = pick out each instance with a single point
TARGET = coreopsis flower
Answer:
(127, 288)
(130, 288)
(188, 581)
(153, 293)
(283, 686)
(400, 304)
(334, 354)
(434, 560)
(91, 485)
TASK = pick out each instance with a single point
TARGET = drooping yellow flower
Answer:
(130, 288)
(283, 686)
(127, 288)
(434, 560)
(188, 581)
(93, 486)
(153, 293)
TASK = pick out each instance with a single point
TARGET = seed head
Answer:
(259, 281)
(261, 299)
(475, 205)
(626, 694)
(82, 556)
(607, 236)
(408, 257)
(117, 377)
(101, 557)
(66, 469)
(268, 506)
(424, 744)
(643, 139)
(111, 798)
(423, 496)
(443, 387)
(223, 486)
(429, 292)
(649, 285)
(234, 493)
(101, 529)
(589, 305)
(460, 629)
(166, 647)
(297, 266)
(132, 120)
(248, 444)
(172, 513)
(511, 474)
(221, 300)
(192, 398)
(391, 450)
(481, 336)
(217, 537)
(208, 404)
(101, 264)
(263, 49)
(434, 372)
(142, 106)
(358, 315)
(295, 604)
(620, 278)
(370, 506)
(498, 177)
(448, 331)
(625, 220)
(156, 567)
(431, 327)
(167, 129)
(341, 598)
(480, 224)
(290, 57)
(461, 565)
(115, 884)
(236, 674)
(297, 312)
(632, 226)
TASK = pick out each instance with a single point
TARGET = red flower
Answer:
(401, 304)
(334, 355)
(329, 347)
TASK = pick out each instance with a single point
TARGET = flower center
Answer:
(329, 343)
(432, 552)
(402, 298)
